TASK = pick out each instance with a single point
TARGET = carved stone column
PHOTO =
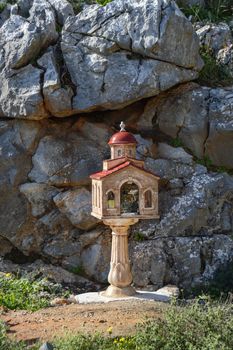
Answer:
(120, 276)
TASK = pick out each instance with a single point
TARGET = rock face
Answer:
(123, 46)
(198, 117)
(105, 58)
(76, 205)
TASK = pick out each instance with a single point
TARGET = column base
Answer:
(117, 292)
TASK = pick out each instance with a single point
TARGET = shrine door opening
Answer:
(129, 198)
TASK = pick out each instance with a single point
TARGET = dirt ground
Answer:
(122, 316)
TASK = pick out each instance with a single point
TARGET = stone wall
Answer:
(131, 61)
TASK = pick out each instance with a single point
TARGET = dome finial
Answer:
(122, 126)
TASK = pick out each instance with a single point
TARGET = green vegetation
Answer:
(214, 11)
(139, 237)
(22, 294)
(176, 142)
(6, 344)
(78, 4)
(221, 286)
(206, 161)
(2, 7)
(213, 73)
(78, 270)
(198, 325)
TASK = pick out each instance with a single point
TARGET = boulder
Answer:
(65, 159)
(57, 99)
(22, 39)
(40, 197)
(18, 141)
(215, 36)
(183, 261)
(63, 9)
(20, 95)
(176, 153)
(140, 50)
(184, 115)
(220, 139)
(76, 205)
(225, 58)
(95, 258)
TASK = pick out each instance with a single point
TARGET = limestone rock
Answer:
(20, 95)
(39, 196)
(76, 205)
(63, 9)
(5, 14)
(215, 36)
(17, 144)
(185, 116)
(95, 258)
(183, 261)
(140, 50)
(178, 154)
(148, 264)
(220, 139)
(57, 99)
(66, 159)
(169, 169)
(225, 58)
(22, 39)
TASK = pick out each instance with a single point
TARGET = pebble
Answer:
(46, 346)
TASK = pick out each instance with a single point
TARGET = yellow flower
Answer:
(122, 340)
(109, 330)
(8, 274)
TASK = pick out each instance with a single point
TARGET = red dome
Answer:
(122, 137)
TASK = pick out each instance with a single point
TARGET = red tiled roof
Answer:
(122, 137)
(104, 173)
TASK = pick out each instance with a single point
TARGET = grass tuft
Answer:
(24, 294)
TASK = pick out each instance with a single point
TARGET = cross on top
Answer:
(122, 126)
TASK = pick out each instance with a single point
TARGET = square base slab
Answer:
(164, 294)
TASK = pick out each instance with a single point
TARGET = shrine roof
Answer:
(104, 173)
(122, 138)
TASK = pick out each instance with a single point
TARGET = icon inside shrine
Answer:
(122, 193)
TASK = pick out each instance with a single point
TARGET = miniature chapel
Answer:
(124, 188)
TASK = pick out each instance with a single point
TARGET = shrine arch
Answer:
(129, 198)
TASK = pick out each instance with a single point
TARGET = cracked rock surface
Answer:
(140, 47)
(131, 60)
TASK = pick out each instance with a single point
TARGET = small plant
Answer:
(213, 11)
(21, 293)
(206, 161)
(103, 2)
(221, 286)
(78, 4)
(176, 142)
(2, 7)
(213, 73)
(78, 270)
(7, 344)
(139, 237)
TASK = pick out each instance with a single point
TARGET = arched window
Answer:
(148, 199)
(111, 200)
(119, 152)
(129, 198)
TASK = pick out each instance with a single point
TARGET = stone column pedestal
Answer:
(120, 276)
